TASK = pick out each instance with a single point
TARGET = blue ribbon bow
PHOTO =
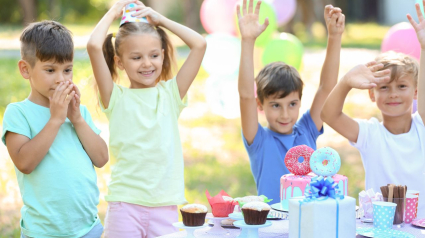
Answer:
(321, 188)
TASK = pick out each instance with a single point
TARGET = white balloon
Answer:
(222, 95)
(222, 55)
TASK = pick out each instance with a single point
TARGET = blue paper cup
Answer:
(383, 214)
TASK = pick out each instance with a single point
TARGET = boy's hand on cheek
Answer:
(60, 100)
(366, 76)
(74, 114)
(419, 27)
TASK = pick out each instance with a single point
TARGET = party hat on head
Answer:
(127, 17)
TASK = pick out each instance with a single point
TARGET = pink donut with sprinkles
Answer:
(292, 163)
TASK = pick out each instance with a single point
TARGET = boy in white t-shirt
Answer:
(392, 151)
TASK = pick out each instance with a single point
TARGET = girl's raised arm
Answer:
(195, 41)
(94, 48)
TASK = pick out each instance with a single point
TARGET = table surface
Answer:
(280, 228)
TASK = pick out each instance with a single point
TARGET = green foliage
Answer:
(76, 11)
(13, 88)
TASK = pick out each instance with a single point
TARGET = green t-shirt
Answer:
(60, 195)
(145, 148)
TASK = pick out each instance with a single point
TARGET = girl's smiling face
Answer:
(141, 57)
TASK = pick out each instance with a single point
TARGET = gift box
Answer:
(323, 212)
(322, 218)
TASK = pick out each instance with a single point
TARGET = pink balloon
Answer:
(402, 38)
(219, 16)
(285, 10)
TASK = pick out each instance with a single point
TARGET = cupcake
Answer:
(251, 198)
(255, 213)
(221, 204)
(194, 214)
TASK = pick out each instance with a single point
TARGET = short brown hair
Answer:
(400, 65)
(46, 40)
(278, 79)
(139, 28)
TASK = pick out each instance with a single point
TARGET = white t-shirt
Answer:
(397, 159)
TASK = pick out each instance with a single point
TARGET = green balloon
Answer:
(286, 48)
(266, 11)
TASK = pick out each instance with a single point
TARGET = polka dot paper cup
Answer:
(411, 208)
(383, 214)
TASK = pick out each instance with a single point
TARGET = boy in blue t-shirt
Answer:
(279, 91)
(53, 141)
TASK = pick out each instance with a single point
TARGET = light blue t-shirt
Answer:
(267, 153)
(60, 195)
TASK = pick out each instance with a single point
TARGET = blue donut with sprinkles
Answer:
(325, 162)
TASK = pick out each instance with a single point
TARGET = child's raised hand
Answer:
(419, 28)
(74, 113)
(367, 76)
(335, 20)
(248, 21)
(117, 9)
(153, 17)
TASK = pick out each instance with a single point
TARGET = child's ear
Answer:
(118, 62)
(162, 52)
(372, 95)
(416, 94)
(260, 106)
(24, 69)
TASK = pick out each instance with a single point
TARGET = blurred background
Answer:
(210, 129)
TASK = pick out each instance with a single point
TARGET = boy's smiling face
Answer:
(281, 113)
(395, 98)
(44, 77)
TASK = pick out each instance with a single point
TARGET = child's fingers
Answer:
(244, 7)
(137, 11)
(412, 22)
(382, 73)
(372, 64)
(70, 97)
(341, 20)
(257, 8)
(65, 93)
(265, 24)
(56, 92)
(384, 79)
(238, 11)
(77, 90)
(328, 9)
(334, 17)
(251, 6)
(419, 12)
(367, 85)
(143, 13)
(336, 9)
(77, 99)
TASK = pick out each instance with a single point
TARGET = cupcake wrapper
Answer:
(193, 219)
(254, 217)
(222, 209)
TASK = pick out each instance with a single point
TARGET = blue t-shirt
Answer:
(267, 153)
(60, 195)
